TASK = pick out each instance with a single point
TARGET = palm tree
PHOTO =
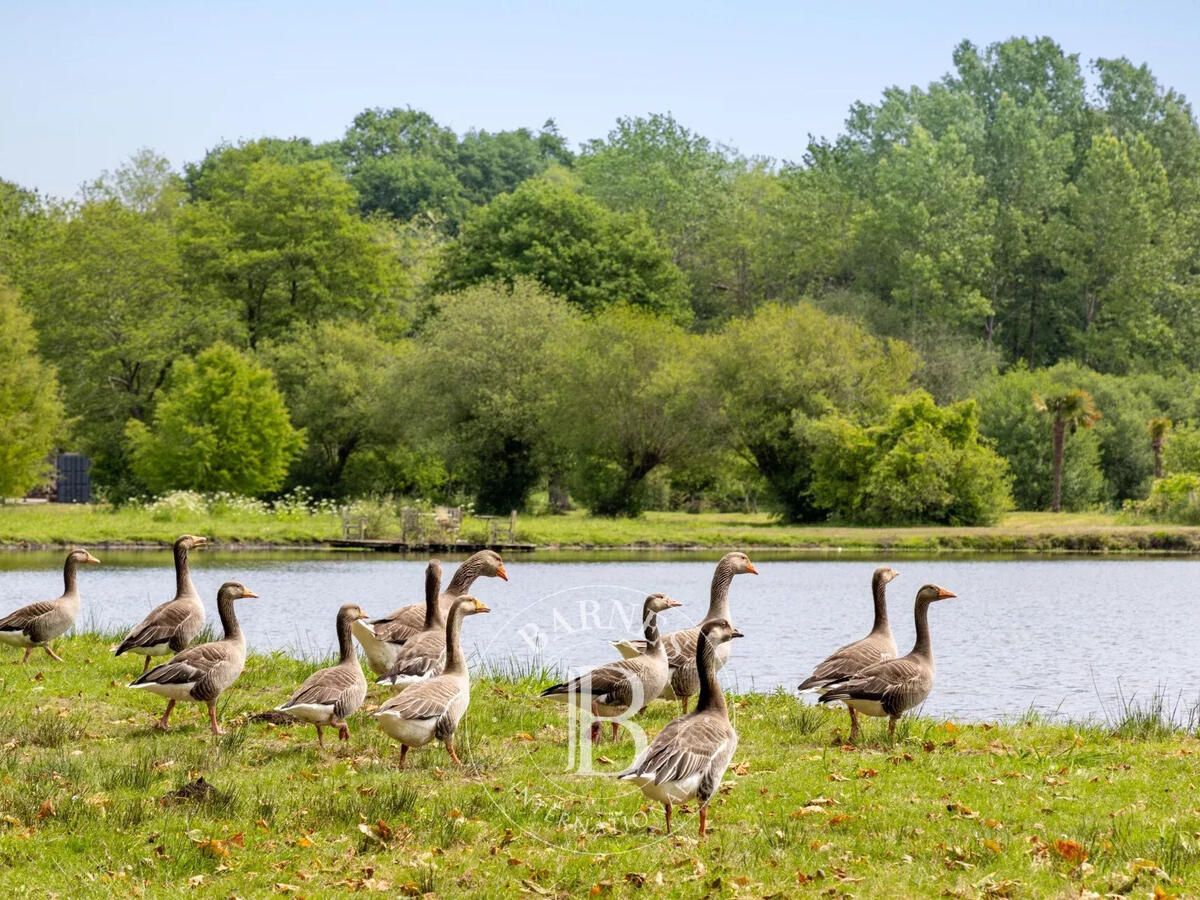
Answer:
(1067, 409)
(1158, 436)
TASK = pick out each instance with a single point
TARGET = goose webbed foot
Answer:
(54, 656)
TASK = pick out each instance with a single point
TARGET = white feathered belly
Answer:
(15, 639)
(381, 655)
(866, 707)
(403, 681)
(170, 691)
(413, 732)
(668, 791)
(154, 650)
(316, 713)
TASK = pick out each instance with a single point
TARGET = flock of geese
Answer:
(418, 648)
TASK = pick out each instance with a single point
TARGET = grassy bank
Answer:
(94, 803)
(42, 524)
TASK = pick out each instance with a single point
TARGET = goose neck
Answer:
(455, 665)
(183, 575)
(345, 644)
(718, 598)
(229, 620)
(879, 594)
(711, 695)
(922, 647)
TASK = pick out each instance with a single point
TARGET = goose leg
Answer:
(212, 719)
(892, 727)
(25, 658)
(161, 724)
(853, 724)
(703, 820)
(403, 754)
(453, 755)
(667, 809)
(343, 731)
(614, 732)
(321, 736)
(54, 656)
(146, 664)
(683, 701)
(596, 734)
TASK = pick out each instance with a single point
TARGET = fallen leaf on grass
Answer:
(1071, 851)
(46, 810)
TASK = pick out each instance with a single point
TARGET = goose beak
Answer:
(201, 541)
(750, 570)
(91, 559)
(482, 607)
(944, 594)
(672, 603)
(362, 615)
(737, 634)
(250, 594)
(500, 573)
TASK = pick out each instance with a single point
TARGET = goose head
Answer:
(739, 563)
(932, 592)
(719, 631)
(658, 602)
(235, 590)
(492, 565)
(470, 606)
(82, 556)
(350, 612)
(190, 541)
(884, 574)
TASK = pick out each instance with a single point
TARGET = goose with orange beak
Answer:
(894, 686)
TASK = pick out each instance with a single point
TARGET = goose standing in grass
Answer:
(616, 687)
(170, 626)
(853, 658)
(681, 645)
(381, 639)
(689, 756)
(432, 709)
(423, 655)
(893, 686)
(329, 696)
(37, 624)
(203, 672)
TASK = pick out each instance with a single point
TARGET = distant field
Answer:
(95, 803)
(1025, 532)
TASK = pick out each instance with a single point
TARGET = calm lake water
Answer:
(1069, 637)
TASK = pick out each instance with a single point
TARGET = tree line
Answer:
(982, 294)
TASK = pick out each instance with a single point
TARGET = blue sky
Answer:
(83, 85)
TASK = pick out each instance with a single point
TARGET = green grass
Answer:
(50, 524)
(88, 803)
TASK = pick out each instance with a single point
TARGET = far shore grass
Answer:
(96, 803)
(54, 525)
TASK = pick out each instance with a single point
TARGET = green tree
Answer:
(1072, 409)
(336, 377)
(286, 247)
(785, 366)
(576, 248)
(105, 284)
(1158, 427)
(1181, 451)
(922, 464)
(491, 163)
(31, 408)
(480, 384)
(632, 396)
(221, 425)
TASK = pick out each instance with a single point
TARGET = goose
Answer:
(689, 756)
(382, 638)
(203, 672)
(170, 626)
(853, 658)
(421, 657)
(892, 686)
(681, 645)
(329, 696)
(37, 624)
(616, 687)
(432, 709)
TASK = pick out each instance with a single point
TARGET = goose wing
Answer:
(25, 619)
(162, 624)
(341, 687)
(401, 625)
(419, 657)
(427, 700)
(895, 684)
(849, 660)
(690, 745)
(187, 666)
(610, 683)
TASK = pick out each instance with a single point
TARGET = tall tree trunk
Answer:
(1157, 447)
(1060, 428)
